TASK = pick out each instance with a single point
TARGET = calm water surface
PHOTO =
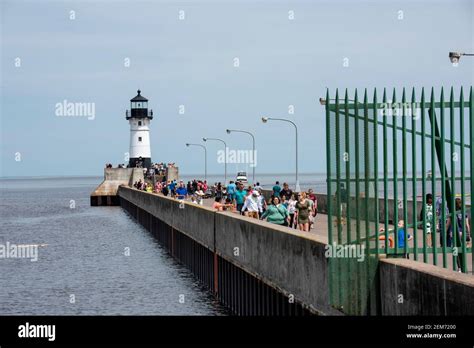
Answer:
(83, 255)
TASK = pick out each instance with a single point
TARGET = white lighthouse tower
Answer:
(139, 118)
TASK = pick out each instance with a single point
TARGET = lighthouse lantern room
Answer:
(139, 118)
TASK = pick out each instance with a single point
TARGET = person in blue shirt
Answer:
(402, 238)
(171, 187)
(231, 191)
(181, 192)
(240, 195)
(276, 189)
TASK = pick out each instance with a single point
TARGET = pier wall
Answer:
(244, 255)
(416, 288)
(106, 192)
(257, 268)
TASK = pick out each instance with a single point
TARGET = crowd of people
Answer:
(156, 169)
(159, 169)
(196, 189)
(284, 207)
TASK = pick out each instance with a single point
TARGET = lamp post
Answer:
(205, 157)
(253, 148)
(225, 156)
(265, 120)
(455, 56)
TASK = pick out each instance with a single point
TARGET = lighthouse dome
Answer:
(139, 97)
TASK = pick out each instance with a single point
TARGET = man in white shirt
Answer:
(253, 205)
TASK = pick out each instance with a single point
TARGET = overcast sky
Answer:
(184, 53)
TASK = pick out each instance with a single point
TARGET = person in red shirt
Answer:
(313, 197)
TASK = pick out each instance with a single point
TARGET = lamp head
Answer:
(264, 119)
(204, 139)
(454, 57)
(228, 131)
(322, 101)
(187, 144)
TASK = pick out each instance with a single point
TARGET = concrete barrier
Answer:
(106, 192)
(194, 220)
(415, 288)
(289, 260)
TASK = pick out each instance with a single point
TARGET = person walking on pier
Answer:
(276, 189)
(403, 238)
(172, 188)
(252, 205)
(158, 187)
(165, 190)
(426, 215)
(189, 187)
(219, 190)
(276, 213)
(303, 211)
(262, 200)
(199, 195)
(286, 192)
(240, 195)
(311, 212)
(343, 203)
(439, 206)
(458, 220)
(231, 191)
(313, 197)
(292, 210)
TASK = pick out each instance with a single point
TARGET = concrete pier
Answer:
(257, 268)
(106, 192)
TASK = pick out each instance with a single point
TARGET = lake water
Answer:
(82, 266)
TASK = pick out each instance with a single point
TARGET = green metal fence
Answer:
(384, 160)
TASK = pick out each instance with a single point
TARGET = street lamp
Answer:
(205, 157)
(253, 148)
(265, 120)
(455, 56)
(225, 156)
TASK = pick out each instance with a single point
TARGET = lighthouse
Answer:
(139, 118)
